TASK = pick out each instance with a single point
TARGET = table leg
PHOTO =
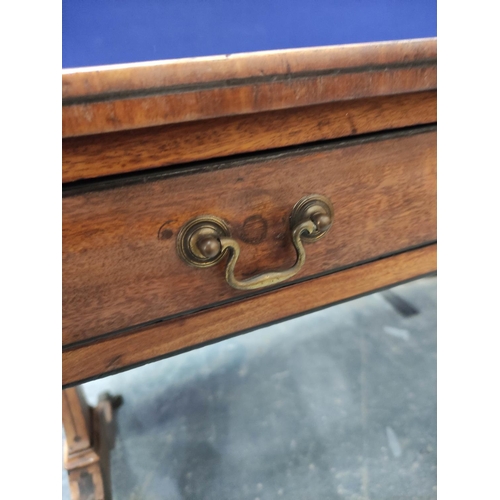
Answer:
(89, 438)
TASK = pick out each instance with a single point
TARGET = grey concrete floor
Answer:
(337, 404)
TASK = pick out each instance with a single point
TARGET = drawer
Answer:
(121, 268)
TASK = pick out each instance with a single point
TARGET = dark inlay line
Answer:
(242, 332)
(204, 166)
(239, 82)
(135, 328)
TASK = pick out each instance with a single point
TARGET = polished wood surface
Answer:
(149, 146)
(120, 265)
(123, 97)
(132, 150)
(170, 129)
(156, 341)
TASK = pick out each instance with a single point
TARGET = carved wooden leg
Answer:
(89, 437)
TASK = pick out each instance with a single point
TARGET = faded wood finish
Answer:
(86, 483)
(120, 265)
(77, 421)
(133, 150)
(172, 336)
(86, 449)
(122, 97)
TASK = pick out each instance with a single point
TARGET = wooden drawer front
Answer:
(120, 265)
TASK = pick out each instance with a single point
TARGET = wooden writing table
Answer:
(318, 164)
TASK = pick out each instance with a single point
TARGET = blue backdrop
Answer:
(119, 31)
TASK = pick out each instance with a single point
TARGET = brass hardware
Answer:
(316, 208)
(203, 241)
(194, 234)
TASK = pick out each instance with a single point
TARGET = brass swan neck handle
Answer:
(203, 241)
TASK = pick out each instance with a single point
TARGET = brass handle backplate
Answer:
(204, 241)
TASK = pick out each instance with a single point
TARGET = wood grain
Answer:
(119, 78)
(121, 152)
(120, 266)
(89, 438)
(77, 417)
(179, 334)
(123, 97)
